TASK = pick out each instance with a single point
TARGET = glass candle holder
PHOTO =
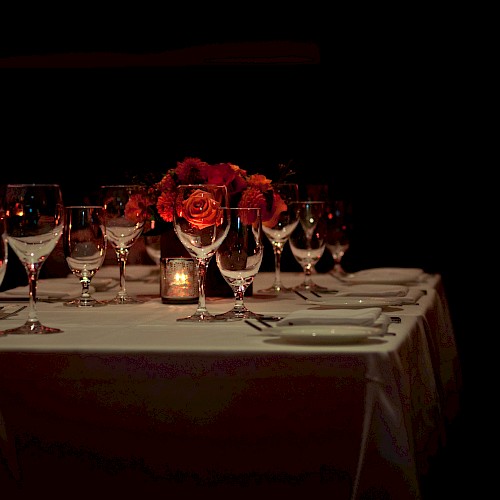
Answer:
(178, 280)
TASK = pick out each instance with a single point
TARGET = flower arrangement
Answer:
(244, 190)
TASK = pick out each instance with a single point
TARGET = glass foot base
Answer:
(310, 287)
(275, 290)
(85, 303)
(124, 299)
(31, 328)
(237, 315)
(199, 318)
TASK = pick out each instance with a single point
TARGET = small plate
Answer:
(357, 302)
(325, 334)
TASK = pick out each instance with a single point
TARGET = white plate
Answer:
(388, 275)
(325, 334)
(356, 302)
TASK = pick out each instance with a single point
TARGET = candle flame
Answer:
(181, 278)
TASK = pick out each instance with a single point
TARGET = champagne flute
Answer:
(339, 229)
(125, 208)
(239, 258)
(34, 219)
(279, 233)
(201, 222)
(84, 245)
(308, 241)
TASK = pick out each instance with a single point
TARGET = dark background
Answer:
(380, 115)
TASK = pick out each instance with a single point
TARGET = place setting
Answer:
(328, 327)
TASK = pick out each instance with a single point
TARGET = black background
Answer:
(383, 118)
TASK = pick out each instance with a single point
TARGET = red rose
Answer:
(201, 209)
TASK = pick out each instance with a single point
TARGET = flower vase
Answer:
(215, 284)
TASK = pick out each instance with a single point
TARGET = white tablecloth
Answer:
(208, 403)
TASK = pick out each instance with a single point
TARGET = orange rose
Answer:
(201, 209)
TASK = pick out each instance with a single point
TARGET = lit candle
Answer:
(178, 280)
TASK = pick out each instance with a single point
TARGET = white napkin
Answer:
(396, 275)
(372, 290)
(358, 302)
(366, 317)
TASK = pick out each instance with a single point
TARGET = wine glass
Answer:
(84, 246)
(279, 233)
(4, 247)
(239, 258)
(339, 229)
(201, 222)
(153, 247)
(308, 240)
(125, 211)
(34, 219)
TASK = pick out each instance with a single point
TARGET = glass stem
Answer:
(122, 256)
(307, 274)
(85, 288)
(32, 271)
(202, 276)
(239, 293)
(278, 248)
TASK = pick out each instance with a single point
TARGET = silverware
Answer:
(12, 313)
(262, 321)
(253, 325)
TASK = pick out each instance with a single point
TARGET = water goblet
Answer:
(239, 258)
(307, 241)
(279, 233)
(125, 211)
(339, 229)
(34, 220)
(84, 246)
(201, 222)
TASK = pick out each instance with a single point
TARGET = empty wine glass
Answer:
(279, 233)
(153, 247)
(339, 229)
(84, 246)
(239, 258)
(201, 222)
(307, 241)
(34, 220)
(125, 209)
(4, 247)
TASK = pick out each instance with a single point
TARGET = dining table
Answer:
(130, 395)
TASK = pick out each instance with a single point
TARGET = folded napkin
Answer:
(372, 290)
(395, 275)
(358, 302)
(366, 317)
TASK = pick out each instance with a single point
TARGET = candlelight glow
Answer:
(181, 279)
